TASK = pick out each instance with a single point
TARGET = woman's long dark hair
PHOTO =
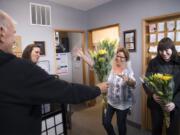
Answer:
(27, 51)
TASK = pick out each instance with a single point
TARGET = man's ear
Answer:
(2, 34)
(2, 30)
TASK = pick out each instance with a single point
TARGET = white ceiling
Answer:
(81, 4)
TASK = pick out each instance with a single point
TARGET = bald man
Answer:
(7, 32)
(25, 86)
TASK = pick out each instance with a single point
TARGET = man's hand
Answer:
(103, 86)
(169, 107)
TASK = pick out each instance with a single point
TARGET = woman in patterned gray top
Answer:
(120, 97)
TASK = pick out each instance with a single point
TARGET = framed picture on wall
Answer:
(130, 40)
(41, 44)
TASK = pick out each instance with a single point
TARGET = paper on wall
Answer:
(170, 25)
(62, 63)
(152, 38)
(153, 49)
(44, 65)
(178, 25)
(152, 28)
(161, 26)
(177, 48)
(177, 36)
(171, 35)
(160, 36)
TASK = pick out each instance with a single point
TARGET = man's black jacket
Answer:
(24, 85)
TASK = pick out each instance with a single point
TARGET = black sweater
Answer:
(157, 65)
(24, 85)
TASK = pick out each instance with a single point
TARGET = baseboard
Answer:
(133, 124)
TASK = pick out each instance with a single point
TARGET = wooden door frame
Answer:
(90, 46)
(83, 47)
(145, 117)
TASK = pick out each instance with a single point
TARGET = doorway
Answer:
(68, 67)
(111, 32)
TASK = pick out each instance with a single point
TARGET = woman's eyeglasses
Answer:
(120, 57)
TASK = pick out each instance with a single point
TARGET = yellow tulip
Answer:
(101, 60)
(102, 52)
(167, 77)
(158, 76)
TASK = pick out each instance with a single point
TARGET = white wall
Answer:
(129, 14)
(75, 40)
(62, 18)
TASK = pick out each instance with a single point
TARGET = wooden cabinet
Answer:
(154, 29)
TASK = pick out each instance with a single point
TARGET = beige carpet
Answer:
(87, 121)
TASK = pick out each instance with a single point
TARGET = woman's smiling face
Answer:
(35, 54)
(120, 58)
(166, 54)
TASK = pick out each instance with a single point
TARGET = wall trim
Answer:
(133, 124)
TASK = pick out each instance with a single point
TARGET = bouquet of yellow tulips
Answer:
(100, 60)
(162, 85)
(102, 57)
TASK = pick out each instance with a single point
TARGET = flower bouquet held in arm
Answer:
(102, 57)
(162, 85)
(100, 60)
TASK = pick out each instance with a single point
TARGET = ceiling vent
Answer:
(40, 14)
